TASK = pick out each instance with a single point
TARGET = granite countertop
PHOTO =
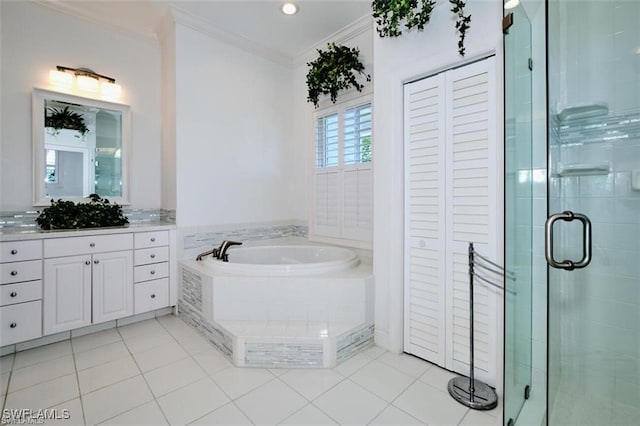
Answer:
(35, 233)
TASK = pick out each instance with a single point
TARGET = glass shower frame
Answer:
(592, 143)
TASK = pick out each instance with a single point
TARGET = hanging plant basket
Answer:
(392, 15)
(336, 68)
(58, 119)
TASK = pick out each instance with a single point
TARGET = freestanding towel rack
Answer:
(467, 390)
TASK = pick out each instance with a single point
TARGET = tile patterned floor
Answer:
(161, 371)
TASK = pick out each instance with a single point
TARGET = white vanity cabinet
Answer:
(20, 291)
(151, 274)
(87, 280)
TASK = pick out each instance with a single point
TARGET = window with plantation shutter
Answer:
(343, 178)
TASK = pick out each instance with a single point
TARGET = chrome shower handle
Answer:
(568, 216)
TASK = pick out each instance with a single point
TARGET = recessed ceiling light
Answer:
(289, 8)
(510, 4)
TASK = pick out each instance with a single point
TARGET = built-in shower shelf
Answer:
(583, 169)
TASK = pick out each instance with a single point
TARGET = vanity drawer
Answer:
(151, 239)
(11, 294)
(151, 295)
(151, 272)
(58, 247)
(20, 322)
(15, 272)
(150, 255)
(15, 251)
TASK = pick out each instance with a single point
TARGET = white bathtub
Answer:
(281, 306)
(284, 260)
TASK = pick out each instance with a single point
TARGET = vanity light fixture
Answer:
(85, 80)
(289, 8)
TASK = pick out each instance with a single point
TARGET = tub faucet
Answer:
(221, 252)
(207, 253)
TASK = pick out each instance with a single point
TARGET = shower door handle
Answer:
(568, 216)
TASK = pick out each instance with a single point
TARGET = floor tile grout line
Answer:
(207, 375)
(75, 367)
(6, 392)
(41, 361)
(143, 378)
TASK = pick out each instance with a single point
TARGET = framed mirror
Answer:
(80, 147)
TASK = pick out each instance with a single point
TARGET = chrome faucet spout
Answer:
(222, 250)
(207, 253)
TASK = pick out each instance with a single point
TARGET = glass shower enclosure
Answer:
(591, 241)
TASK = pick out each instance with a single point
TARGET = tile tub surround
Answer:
(309, 321)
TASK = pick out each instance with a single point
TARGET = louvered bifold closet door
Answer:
(472, 206)
(424, 127)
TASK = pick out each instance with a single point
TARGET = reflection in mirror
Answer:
(79, 148)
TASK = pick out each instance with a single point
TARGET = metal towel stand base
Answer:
(468, 391)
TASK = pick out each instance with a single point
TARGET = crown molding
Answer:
(343, 35)
(187, 19)
(71, 10)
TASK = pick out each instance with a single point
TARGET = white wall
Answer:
(397, 60)
(233, 134)
(34, 40)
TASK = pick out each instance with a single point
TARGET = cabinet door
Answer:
(112, 286)
(67, 293)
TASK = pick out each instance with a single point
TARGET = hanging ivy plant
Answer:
(462, 22)
(391, 15)
(58, 119)
(335, 69)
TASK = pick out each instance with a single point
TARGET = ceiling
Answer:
(258, 21)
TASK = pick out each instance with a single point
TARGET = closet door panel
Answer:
(472, 193)
(424, 220)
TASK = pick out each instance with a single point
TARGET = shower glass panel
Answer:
(594, 169)
(518, 209)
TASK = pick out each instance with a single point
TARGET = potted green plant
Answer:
(57, 119)
(98, 212)
(336, 68)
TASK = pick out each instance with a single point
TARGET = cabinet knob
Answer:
(92, 245)
(96, 261)
(14, 251)
(153, 239)
(153, 296)
(87, 262)
(153, 256)
(14, 273)
(13, 294)
(13, 325)
(152, 272)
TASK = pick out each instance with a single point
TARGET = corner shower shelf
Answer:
(583, 169)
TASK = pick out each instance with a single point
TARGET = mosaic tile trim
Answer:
(211, 239)
(607, 128)
(192, 288)
(353, 342)
(283, 354)
(27, 219)
(216, 335)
